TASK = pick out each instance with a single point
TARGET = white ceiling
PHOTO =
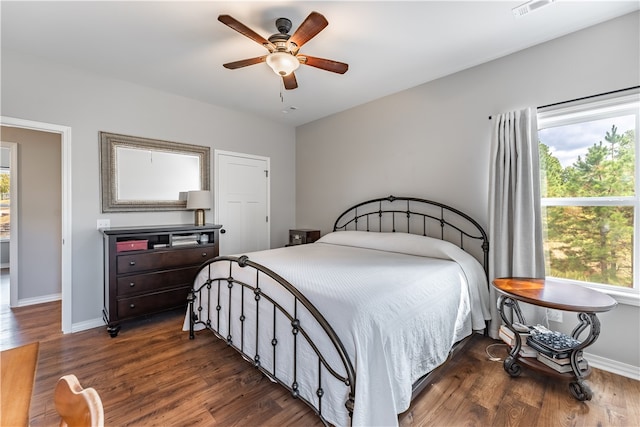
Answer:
(179, 46)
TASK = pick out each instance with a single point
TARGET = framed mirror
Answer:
(141, 174)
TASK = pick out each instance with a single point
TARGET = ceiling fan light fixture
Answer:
(282, 63)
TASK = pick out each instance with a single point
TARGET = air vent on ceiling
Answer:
(529, 7)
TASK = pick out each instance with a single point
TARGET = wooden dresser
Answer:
(150, 269)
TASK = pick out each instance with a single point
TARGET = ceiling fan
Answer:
(284, 55)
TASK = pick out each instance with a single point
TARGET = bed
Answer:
(354, 323)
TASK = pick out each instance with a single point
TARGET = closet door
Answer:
(242, 202)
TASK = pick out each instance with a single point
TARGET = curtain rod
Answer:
(585, 97)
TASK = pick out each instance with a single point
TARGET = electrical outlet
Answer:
(554, 315)
(104, 223)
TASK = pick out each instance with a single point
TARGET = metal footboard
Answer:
(245, 309)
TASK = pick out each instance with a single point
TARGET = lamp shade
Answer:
(200, 199)
(283, 63)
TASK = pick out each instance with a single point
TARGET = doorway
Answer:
(64, 133)
(8, 211)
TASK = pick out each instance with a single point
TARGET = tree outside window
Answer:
(588, 174)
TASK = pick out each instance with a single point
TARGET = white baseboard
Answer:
(613, 366)
(88, 324)
(39, 300)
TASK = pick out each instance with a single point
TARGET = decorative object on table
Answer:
(185, 239)
(199, 201)
(132, 245)
(552, 343)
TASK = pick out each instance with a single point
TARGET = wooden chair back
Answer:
(76, 406)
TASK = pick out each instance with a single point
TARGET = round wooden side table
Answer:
(557, 295)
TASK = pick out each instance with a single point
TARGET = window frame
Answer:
(596, 108)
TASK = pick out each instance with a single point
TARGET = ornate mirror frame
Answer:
(114, 147)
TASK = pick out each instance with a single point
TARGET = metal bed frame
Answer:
(388, 214)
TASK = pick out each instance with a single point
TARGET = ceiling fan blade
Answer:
(324, 64)
(290, 81)
(244, 62)
(311, 26)
(234, 24)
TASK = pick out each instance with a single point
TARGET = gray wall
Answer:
(433, 140)
(39, 212)
(42, 91)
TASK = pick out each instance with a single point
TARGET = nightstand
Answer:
(557, 295)
(302, 236)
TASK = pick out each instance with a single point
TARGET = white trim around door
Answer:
(65, 136)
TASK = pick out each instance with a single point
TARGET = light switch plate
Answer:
(104, 223)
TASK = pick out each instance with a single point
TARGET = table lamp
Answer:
(199, 201)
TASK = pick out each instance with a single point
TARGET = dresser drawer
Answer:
(151, 303)
(164, 259)
(149, 282)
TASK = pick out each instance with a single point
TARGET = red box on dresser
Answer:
(132, 245)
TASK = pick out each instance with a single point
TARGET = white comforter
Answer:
(398, 302)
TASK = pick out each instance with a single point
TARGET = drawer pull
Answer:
(131, 285)
(204, 254)
(132, 263)
(132, 306)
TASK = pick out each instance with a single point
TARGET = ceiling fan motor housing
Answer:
(280, 40)
(283, 25)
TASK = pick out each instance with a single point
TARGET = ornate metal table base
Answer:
(578, 388)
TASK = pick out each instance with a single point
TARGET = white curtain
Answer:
(515, 230)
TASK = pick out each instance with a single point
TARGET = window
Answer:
(5, 204)
(590, 203)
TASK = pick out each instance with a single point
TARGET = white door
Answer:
(241, 202)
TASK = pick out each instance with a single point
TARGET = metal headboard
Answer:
(417, 216)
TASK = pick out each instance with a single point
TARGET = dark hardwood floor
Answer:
(152, 374)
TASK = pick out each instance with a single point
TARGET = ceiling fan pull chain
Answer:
(282, 91)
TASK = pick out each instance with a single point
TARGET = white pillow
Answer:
(411, 244)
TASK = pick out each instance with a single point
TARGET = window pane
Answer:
(589, 243)
(589, 159)
(5, 203)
